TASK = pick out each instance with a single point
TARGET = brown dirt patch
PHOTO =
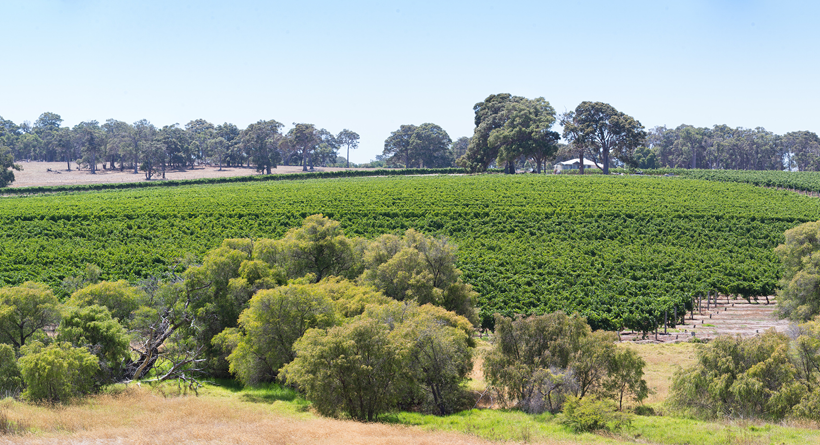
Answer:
(730, 316)
(56, 173)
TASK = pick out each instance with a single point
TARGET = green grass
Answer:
(504, 425)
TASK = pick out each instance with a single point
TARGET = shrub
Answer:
(11, 382)
(353, 369)
(58, 372)
(93, 328)
(592, 414)
(119, 297)
(275, 319)
(539, 361)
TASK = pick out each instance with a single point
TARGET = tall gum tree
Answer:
(603, 131)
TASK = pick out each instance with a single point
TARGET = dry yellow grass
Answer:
(661, 362)
(140, 416)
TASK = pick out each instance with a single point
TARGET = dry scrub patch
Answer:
(140, 416)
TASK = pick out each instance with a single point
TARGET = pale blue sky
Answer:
(372, 66)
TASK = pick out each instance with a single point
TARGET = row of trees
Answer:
(143, 146)
(724, 147)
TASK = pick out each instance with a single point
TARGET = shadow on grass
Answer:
(261, 393)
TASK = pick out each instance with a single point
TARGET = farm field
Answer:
(620, 250)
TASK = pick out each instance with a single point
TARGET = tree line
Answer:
(142, 146)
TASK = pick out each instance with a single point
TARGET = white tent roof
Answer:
(587, 162)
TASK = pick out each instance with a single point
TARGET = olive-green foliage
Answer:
(93, 328)
(751, 377)
(593, 414)
(220, 289)
(799, 295)
(393, 355)
(419, 268)
(11, 382)
(275, 319)
(58, 372)
(539, 361)
(119, 297)
(24, 311)
(318, 247)
(6, 166)
(353, 369)
(440, 356)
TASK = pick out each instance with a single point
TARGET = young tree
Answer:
(119, 297)
(419, 268)
(349, 139)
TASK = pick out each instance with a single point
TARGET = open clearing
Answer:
(56, 173)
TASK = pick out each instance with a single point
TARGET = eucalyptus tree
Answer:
(303, 139)
(397, 151)
(175, 142)
(604, 131)
(327, 149)
(142, 134)
(261, 141)
(459, 148)
(217, 150)
(489, 115)
(349, 139)
(46, 128)
(526, 132)
(430, 146)
(117, 138)
(6, 166)
(199, 133)
(91, 140)
(231, 133)
(804, 147)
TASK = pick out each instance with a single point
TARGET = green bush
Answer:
(11, 382)
(93, 328)
(591, 414)
(58, 372)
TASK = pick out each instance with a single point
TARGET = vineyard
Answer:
(621, 250)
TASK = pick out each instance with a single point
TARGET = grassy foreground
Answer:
(226, 413)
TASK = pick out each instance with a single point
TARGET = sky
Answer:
(371, 66)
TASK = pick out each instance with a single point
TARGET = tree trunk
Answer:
(581, 164)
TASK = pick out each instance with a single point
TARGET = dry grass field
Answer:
(56, 173)
(140, 416)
